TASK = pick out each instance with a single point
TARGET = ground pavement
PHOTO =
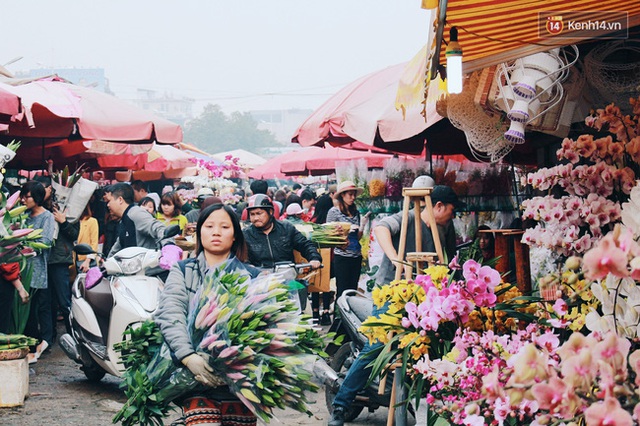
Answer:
(61, 395)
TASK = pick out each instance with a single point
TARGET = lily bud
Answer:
(11, 201)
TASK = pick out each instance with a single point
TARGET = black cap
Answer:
(446, 195)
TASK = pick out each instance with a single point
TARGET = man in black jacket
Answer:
(60, 258)
(270, 241)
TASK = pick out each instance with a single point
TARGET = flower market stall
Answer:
(478, 351)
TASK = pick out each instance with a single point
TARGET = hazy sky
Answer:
(240, 54)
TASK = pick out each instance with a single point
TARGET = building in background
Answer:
(178, 109)
(282, 123)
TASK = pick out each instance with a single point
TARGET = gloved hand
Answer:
(202, 371)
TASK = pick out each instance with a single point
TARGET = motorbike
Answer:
(124, 293)
(295, 275)
(352, 309)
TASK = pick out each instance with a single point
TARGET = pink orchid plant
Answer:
(597, 174)
(422, 315)
(530, 377)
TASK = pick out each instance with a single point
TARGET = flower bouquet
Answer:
(17, 242)
(394, 167)
(423, 315)
(325, 235)
(255, 340)
(72, 191)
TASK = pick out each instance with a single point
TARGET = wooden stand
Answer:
(507, 241)
(417, 195)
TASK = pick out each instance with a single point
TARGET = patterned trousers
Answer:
(208, 412)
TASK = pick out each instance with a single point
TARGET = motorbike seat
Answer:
(361, 306)
(100, 298)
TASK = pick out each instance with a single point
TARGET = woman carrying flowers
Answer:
(219, 243)
(40, 323)
(347, 262)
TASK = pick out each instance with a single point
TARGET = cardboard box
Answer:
(319, 280)
(14, 382)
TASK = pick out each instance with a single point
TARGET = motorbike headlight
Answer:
(131, 265)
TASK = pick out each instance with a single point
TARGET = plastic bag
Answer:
(376, 183)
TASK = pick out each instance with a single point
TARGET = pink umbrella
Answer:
(271, 169)
(156, 158)
(9, 103)
(54, 109)
(364, 111)
(322, 161)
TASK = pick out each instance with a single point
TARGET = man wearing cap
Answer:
(260, 187)
(270, 241)
(387, 233)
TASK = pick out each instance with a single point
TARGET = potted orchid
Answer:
(424, 315)
(596, 176)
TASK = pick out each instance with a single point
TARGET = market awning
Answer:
(495, 31)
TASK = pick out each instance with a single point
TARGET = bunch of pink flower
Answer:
(529, 378)
(469, 385)
(228, 168)
(569, 224)
(599, 178)
(617, 253)
(596, 168)
(453, 300)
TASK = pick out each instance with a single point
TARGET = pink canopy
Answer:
(9, 102)
(156, 158)
(364, 111)
(271, 169)
(54, 109)
(316, 161)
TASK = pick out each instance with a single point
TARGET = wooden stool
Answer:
(418, 257)
(392, 398)
(417, 195)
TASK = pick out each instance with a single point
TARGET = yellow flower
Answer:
(418, 351)
(437, 274)
(452, 355)
(407, 339)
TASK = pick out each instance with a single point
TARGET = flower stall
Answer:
(477, 351)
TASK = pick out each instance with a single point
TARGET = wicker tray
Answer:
(17, 353)
(184, 244)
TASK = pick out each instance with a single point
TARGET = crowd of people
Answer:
(252, 236)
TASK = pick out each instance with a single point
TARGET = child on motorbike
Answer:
(219, 243)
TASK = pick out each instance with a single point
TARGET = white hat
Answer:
(423, 181)
(293, 209)
(156, 199)
(204, 192)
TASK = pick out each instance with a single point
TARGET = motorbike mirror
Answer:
(83, 249)
(172, 230)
